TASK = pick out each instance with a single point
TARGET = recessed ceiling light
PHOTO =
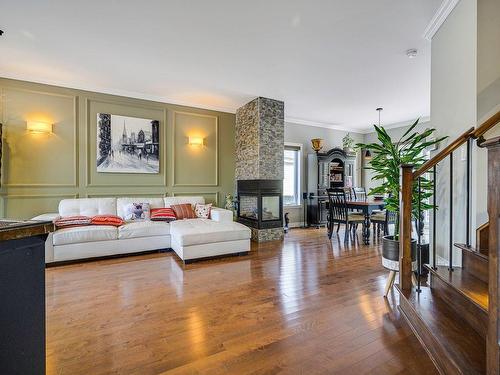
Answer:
(411, 53)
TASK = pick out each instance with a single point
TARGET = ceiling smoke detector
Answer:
(411, 53)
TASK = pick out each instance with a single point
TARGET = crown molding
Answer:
(327, 125)
(166, 100)
(401, 124)
(365, 130)
(439, 17)
(119, 92)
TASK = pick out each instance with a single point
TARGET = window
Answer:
(291, 182)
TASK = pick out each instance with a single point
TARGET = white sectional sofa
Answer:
(191, 239)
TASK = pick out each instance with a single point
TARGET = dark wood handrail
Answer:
(487, 125)
(443, 153)
(469, 133)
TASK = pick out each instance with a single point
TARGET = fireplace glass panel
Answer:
(270, 208)
(248, 207)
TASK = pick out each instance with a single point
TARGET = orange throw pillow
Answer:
(183, 211)
(162, 214)
(107, 220)
(72, 221)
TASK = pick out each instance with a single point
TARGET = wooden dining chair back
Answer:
(359, 193)
(381, 221)
(339, 214)
(348, 193)
(390, 218)
(337, 205)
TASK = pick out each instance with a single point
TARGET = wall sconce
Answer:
(196, 141)
(368, 155)
(39, 127)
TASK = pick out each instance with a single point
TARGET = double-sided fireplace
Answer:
(260, 203)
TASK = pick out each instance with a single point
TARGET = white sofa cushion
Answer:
(122, 203)
(143, 229)
(87, 206)
(169, 201)
(202, 231)
(105, 248)
(213, 249)
(90, 233)
(221, 214)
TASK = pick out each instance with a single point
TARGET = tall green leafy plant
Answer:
(389, 155)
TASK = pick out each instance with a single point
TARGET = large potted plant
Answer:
(387, 156)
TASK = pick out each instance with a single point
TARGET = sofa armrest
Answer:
(51, 216)
(49, 248)
(220, 214)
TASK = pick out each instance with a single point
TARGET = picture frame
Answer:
(127, 144)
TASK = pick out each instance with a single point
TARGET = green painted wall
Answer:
(40, 169)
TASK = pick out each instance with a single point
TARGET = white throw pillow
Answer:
(137, 211)
(202, 211)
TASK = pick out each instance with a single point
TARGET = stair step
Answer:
(474, 262)
(454, 345)
(466, 294)
(472, 250)
(482, 234)
(471, 287)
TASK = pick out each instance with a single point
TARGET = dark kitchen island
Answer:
(22, 296)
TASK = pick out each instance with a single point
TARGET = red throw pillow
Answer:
(72, 221)
(107, 220)
(162, 214)
(183, 211)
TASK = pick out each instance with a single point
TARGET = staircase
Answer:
(455, 312)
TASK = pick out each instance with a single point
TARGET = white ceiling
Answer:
(332, 61)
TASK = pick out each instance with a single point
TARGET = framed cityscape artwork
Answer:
(127, 144)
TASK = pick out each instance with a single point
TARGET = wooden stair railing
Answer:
(487, 125)
(493, 335)
(472, 132)
(409, 177)
(444, 153)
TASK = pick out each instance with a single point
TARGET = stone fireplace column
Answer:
(259, 150)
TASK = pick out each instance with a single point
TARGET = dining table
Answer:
(366, 206)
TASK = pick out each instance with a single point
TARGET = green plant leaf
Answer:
(388, 156)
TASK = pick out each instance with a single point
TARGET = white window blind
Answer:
(292, 178)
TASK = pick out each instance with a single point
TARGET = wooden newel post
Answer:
(493, 336)
(406, 183)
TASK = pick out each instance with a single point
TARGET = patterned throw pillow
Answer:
(162, 214)
(183, 211)
(72, 221)
(137, 211)
(202, 211)
(107, 220)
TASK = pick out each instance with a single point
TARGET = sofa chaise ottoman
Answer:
(191, 239)
(204, 238)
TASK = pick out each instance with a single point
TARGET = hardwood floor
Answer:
(303, 306)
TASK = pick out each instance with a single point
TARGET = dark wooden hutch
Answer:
(332, 169)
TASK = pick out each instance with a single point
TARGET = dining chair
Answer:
(359, 193)
(339, 214)
(348, 193)
(381, 221)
